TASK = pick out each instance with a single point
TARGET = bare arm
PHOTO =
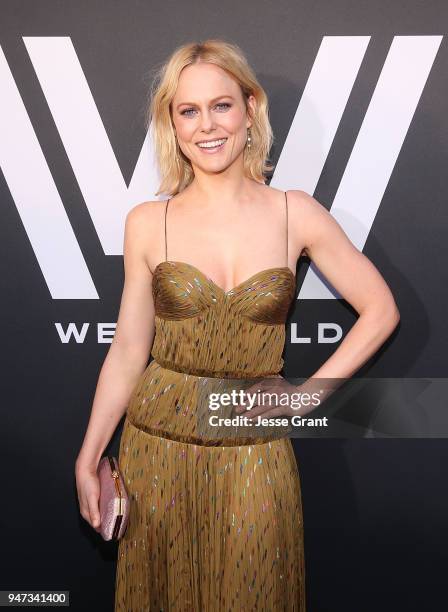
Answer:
(355, 277)
(129, 351)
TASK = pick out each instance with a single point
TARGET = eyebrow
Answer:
(213, 100)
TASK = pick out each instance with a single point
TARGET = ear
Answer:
(252, 102)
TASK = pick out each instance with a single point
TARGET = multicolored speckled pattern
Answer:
(215, 525)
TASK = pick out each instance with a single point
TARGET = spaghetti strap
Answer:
(166, 245)
(286, 198)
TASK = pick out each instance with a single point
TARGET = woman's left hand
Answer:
(281, 402)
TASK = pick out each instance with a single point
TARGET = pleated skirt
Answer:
(211, 528)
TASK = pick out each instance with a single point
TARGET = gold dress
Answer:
(216, 519)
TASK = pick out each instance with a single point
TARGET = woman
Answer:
(216, 519)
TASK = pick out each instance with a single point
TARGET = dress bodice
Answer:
(205, 339)
(203, 330)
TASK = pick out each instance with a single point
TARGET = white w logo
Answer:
(107, 197)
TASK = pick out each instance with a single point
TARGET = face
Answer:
(209, 106)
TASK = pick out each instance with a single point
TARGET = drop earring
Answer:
(249, 139)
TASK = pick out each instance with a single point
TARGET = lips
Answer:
(215, 148)
(211, 140)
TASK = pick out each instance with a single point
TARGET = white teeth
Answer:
(211, 144)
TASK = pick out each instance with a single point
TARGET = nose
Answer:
(207, 121)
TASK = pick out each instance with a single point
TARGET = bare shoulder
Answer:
(146, 211)
(144, 227)
(307, 216)
(303, 205)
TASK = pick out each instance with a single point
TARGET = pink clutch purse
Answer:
(114, 499)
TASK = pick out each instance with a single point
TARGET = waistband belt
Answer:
(169, 365)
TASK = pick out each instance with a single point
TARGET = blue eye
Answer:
(222, 104)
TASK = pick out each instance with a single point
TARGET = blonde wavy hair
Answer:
(176, 171)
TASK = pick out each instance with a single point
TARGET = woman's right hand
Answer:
(88, 487)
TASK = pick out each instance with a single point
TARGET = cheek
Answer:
(234, 122)
(185, 131)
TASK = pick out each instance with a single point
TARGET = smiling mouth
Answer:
(213, 145)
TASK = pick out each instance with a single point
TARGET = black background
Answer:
(374, 510)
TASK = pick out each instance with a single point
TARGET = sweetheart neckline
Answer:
(184, 263)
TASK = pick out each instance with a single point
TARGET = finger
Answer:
(260, 408)
(247, 409)
(255, 388)
(275, 412)
(84, 508)
(241, 405)
(251, 394)
(94, 512)
(263, 411)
